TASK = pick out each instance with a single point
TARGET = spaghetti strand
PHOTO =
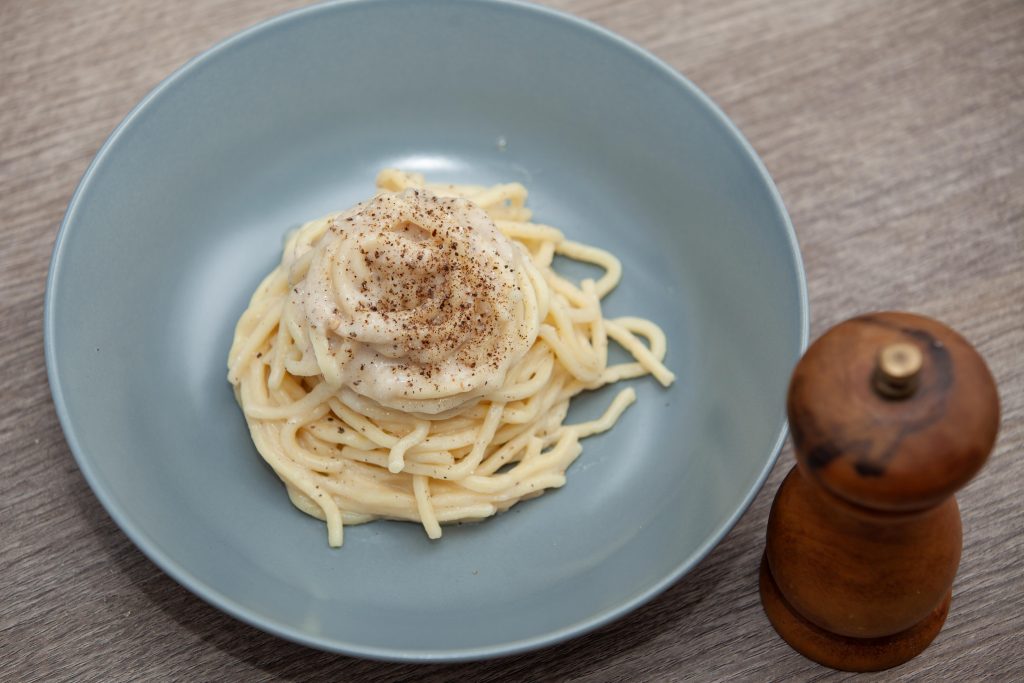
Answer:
(414, 358)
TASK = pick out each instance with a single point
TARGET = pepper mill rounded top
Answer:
(892, 411)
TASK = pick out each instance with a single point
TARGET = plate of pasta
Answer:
(392, 338)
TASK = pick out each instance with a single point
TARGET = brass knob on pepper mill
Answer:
(890, 414)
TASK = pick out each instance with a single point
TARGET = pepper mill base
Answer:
(843, 652)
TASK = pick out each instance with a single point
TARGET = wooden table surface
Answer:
(895, 132)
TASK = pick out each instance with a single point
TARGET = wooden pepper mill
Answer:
(890, 414)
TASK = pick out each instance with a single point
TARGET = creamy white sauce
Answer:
(421, 299)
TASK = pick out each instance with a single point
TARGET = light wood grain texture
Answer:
(895, 131)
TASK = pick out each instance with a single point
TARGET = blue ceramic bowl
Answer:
(184, 209)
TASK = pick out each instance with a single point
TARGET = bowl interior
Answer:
(185, 209)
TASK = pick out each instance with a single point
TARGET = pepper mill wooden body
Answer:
(890, 414)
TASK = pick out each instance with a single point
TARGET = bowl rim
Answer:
(211, 595)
